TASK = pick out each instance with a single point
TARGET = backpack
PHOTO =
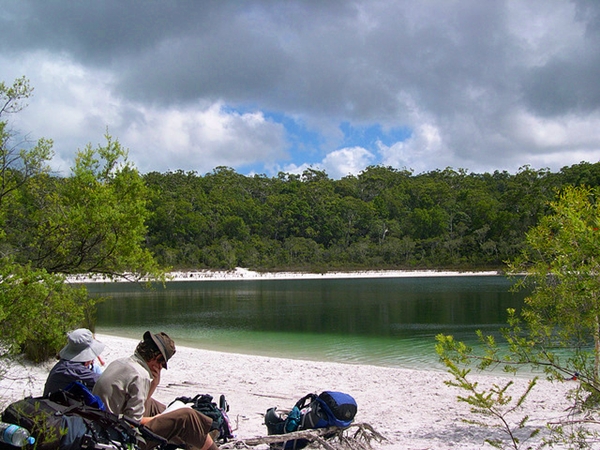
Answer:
(328, 409)
(62, 421)
(277, 424)
(204, 403)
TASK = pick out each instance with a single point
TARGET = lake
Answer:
(381, 321)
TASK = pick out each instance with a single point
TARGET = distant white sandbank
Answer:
(245, 274)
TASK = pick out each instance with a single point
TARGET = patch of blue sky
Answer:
(306, 146)
(367, 137)
(301, 138)
(306, 142)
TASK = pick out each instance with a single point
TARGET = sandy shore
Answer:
(245, 274)
(413, 409)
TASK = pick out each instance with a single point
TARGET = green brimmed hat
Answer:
(164, 343)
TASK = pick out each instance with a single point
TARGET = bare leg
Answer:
(209, 444)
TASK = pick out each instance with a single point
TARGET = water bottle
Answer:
(15, 435)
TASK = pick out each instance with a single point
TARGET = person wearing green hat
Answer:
(126, 387)
(76, 362)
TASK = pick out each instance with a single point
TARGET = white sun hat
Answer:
(81, 346)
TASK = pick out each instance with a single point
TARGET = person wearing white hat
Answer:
(76, 362)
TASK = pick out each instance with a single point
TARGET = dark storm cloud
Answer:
(98, 32)
(342, 58)
(483, 84)
(568, 82)
(171, 49)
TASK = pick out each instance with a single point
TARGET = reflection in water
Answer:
(384, 321)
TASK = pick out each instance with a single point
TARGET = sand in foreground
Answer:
(413, 409)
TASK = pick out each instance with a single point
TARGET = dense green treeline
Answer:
(382, 218)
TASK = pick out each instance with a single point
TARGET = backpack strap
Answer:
(82, 393)
(202, 399)
(305, 401)
(149, 435)
(144, 431)
(131, 427)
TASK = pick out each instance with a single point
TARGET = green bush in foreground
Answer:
(558, 330)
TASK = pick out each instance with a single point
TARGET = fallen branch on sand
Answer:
(332, 438)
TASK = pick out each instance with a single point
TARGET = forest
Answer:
(383, 218)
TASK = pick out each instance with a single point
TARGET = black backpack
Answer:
(204, 403)
(62, 421)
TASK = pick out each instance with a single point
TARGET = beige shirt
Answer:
(124, 386)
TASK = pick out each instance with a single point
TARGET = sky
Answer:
(269, 86)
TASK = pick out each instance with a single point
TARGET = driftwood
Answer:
(357, 436)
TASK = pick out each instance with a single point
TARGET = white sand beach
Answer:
(413, 409)
(240, 273)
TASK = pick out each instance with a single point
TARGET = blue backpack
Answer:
(328, 409)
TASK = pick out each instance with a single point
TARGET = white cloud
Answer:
(483, 85)
(423, 151)
(338, 163)
(202, 138)
(347, 161)
(570, 132)
(297, 170)
(75, 106)
(71, 105)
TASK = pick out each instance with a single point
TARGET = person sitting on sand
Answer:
(76, 362)
(126, 387)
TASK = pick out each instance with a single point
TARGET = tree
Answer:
(17, 165)
(37, 309)
(23, 292)
(89, 222)
(562, 264)
(177, 227)
(558, 329)
(94, 220)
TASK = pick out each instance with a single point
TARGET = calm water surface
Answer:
(382, 321)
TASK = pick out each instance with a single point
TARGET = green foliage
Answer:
(494, 407)
(90, 222)
(12, 98)
(382, 218)
(94, 220)
(557, 331)
(561, 263)
(37, 309)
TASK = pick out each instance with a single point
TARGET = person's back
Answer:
(76, 362)
(126, 387)
(66, 372)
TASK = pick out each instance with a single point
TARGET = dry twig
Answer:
(322, 437)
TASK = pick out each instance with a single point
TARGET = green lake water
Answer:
(381, 321)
